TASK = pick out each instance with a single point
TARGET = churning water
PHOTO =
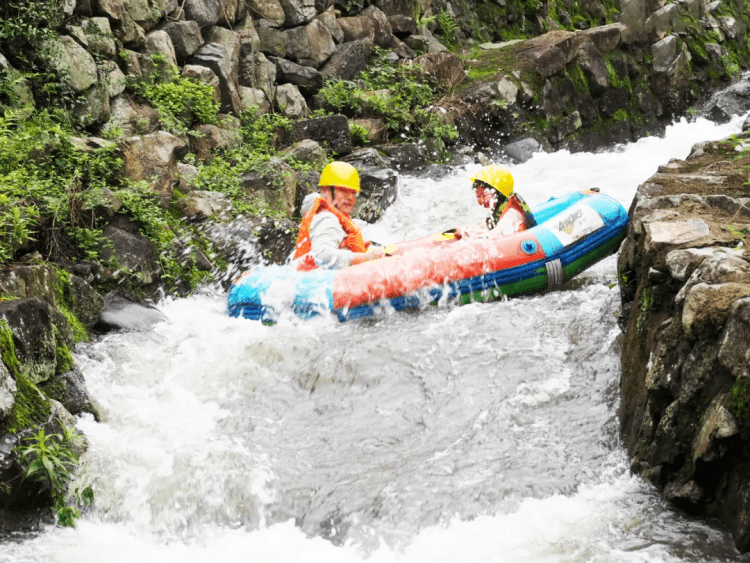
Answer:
(483, 433)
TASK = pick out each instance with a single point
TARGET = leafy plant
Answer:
(400, 95)
(359, 133)
(50, 461)
(181, 101)
(448, 27)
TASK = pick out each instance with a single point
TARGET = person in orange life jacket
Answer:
(328, 238)
(509, 212)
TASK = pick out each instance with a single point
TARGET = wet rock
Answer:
(37, 331)
(522, 150)
(122, 314)
(70, 390)
(332, 130)
(130, 250)
(379, 190)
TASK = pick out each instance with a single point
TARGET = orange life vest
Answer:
(352, 241)
(513, 202)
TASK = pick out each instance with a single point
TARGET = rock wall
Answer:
(684, 272)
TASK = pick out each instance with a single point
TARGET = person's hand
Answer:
(372, 254)
(461, 232)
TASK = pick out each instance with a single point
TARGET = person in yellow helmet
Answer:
(328, 237)
(508, 211)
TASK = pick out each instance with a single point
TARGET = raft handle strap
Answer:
(554, 274)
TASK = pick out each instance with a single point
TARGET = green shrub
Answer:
(397, 94)
(181, 101)
(50, 461)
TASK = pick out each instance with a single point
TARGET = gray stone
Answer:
(204, 75)
(665, 53)
(663, 21)
(75, 65)
(332, 130)
(307, 151)
(306, 78)
(93, 106)
(216, 57)
(186, 38)
(204, 12)
(383, 34)
(734, 351)
(273, 184)
(522, 150)
(268, 10)
(676, 232)
(254, 97)
(507, 90)
(113, 79)
(682, 263)
(717, 424)
(364, 159)
(229, 40)
(312, 42)
(290, 102)
(203, 205)
(348, 60)
(209, 138)
(605, 37)
(33, 323)
(7, 391)
(706, 307)
(99, 36)
(258, 72)
(594, 68)
(153, 158)
(328, 19)
(298, 12)
(379, 190)
(272, 41)
(159, 43)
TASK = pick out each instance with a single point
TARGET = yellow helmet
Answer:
(496, 176)
(340, 175)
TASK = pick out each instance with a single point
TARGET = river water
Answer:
(482, 433)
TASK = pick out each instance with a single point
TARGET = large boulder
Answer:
(290, 102)
(204, 12)
(216, 57)
(38, 330)
(298, 12)
(127, 249)
(76, 66)
(186, 38)
(310, 45)
(348, 60)
(333, 131)
(153, 158)
(549, 53)
(306, 78)
(268, 10)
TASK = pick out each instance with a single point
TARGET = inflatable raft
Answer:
(573, 232)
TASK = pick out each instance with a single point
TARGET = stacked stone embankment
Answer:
(684, 272)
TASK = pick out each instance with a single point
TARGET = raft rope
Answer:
(554, 274)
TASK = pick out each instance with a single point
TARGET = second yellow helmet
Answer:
(496, 176)
(340, 175)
